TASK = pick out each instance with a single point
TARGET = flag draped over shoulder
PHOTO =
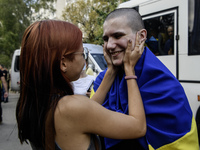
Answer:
(168, 114)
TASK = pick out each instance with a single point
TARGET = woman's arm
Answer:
(104, 87)
(135, 104)
(107, 81)
(87, 116)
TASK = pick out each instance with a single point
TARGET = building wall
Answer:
(60, 5)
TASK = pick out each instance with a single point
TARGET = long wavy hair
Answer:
(42, 83)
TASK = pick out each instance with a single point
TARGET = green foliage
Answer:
(89, 16)
(15, 17)
(4, 60)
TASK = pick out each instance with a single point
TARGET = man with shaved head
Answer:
(170, 122)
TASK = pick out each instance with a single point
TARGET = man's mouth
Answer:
(115, 53)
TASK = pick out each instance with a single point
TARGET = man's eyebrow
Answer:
(113, 34)
(104, 36)
(118, 33)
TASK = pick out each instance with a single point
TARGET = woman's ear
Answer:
(63, 64)
(142, 35)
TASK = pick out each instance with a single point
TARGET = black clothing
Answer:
(1, 74)
(5, 73)
(124, 145)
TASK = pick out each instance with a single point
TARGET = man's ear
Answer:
(63, 64)
(142, 35)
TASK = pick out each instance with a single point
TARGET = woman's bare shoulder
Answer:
(73, 105)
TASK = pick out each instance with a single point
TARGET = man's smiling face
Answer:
(116, 35)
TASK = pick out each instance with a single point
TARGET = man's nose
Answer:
(111, 43)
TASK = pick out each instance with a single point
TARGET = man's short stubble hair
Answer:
(134, 19)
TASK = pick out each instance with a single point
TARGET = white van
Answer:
(96, 57)
(184, 61)
(15, 78)
(96, 60)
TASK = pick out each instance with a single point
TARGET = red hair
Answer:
(41, 80)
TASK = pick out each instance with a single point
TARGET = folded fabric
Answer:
(82, 85)
(168, 114)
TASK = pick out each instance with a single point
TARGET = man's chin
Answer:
(117, 64)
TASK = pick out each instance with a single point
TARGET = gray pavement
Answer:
(8, 128)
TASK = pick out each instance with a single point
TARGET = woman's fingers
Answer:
(129, 46)
(137, 43)
(141, 47)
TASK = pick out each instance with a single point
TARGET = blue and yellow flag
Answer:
(170, 122)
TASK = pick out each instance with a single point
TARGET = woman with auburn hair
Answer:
(49, 115)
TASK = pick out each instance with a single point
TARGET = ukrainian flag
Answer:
(170, 122)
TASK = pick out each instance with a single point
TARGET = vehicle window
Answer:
(99, 58)
(160, 34)
(194, 26)
(16, 65)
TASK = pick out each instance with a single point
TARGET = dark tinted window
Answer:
(99, 58)
(194, 27)
(160, 34)
(16, 65)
